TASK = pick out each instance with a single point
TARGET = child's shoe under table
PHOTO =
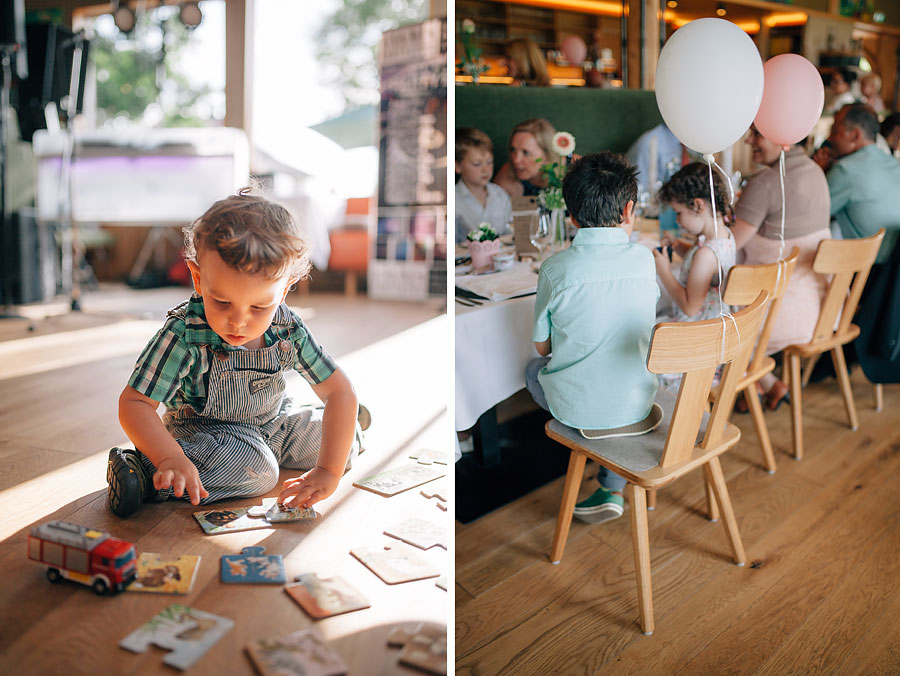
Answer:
(129, 483)
(603, 505)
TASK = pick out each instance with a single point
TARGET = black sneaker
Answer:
(364, 418)
(129, 483)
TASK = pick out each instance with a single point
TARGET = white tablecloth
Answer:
(493, 346)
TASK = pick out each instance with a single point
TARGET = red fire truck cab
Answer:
(82, 554)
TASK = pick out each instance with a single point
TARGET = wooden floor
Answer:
(58, 386)
(820, 593)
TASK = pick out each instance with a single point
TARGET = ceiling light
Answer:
(720, 10)
(672, 4)
(124, 17)
(190, 14)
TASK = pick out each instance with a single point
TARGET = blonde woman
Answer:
(530, 146)
(525, 63)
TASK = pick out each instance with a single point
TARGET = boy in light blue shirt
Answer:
(594, 312)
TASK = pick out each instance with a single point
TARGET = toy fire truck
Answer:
(82, 554)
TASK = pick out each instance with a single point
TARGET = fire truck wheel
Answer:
(100, 587)
(53, 575)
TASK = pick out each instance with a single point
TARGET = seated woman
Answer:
(530, 145)
(525, 63)
(757, 232)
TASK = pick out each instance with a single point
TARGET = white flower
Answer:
(563, 143)
(468, 26)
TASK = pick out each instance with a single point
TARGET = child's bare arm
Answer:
(137, 415)
(338, 430)
(690, 297)
(543, 348)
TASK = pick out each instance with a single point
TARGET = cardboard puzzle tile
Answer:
(187, 632)
(441, 582)
(427, 456)
(419, 533)
(425, 647)
(399, 479)
(217, 521)
(174, 576)
(435, 491)
(395, 563)
(325, 598)
(303, 653)
(251, 566)
(274, 513)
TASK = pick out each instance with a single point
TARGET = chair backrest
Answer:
(695, 349)
(843, 258)
(744, 284)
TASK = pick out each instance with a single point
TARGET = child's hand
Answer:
(661, 258)
(181, 474)
(308, 489)
(668, 239)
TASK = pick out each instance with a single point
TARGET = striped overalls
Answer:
(248, 428)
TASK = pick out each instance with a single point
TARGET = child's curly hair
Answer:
(252, 234)
(692, 181)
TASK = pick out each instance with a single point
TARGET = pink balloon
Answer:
(574, 49)
(792, 99)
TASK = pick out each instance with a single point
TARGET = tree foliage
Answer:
(347, 39)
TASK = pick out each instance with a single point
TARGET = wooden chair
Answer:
(654, 460)
(744, 284)
(849, 261)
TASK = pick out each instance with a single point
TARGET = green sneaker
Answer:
(602, 506)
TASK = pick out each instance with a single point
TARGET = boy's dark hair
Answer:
(468, 138)
(252, 234)
(890, 123)
(692, 181)
(862, 117)
(597, 188)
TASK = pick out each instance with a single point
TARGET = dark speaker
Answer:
(51, 49)
(29, 270)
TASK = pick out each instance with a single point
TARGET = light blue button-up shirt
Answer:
(596, 302)
(865, 196)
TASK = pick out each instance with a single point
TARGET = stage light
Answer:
(190, 14)
(124, 17)
(720, 10)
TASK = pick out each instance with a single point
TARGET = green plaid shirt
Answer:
(174, 367)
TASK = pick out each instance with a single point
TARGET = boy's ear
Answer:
(195, 275)
(628, 213)
(290, 285)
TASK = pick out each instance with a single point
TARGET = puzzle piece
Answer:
(395, 563)
(251, 566)
(174, 576)
(217, 521)
(259, 511)
(425, 647)
(187, 632)
(399, 479)
(325, 598)
(435, 492)
(278, 513)
(303, 653)
(418, 533)
(428, 456)
(441, 582)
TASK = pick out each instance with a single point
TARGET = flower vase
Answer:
(482, 254)
(558, 228)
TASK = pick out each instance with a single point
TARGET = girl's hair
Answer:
(529, 60)
(252, 234)
(468, 138)
(693, 181)
(542, 131)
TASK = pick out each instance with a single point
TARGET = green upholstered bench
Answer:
(600, 119)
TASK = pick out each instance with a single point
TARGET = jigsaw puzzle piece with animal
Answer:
(251, 566)
(217, 521)
(395, 563)
(325, 598)
(399, 479)
(425, 647)
(187, 632)
(303, 653)
(418, 533)
(175, 576)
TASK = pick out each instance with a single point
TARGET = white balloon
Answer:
(709, 84)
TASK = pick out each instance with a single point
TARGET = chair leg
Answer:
(878, 391)
(796, 405)
(809, 369)
(651, 499)
(712, 508)
(714, 475)
(840, 367)
(762, 432)
(569, 497)
(641, 537)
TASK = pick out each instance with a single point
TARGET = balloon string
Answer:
(783, 203)
(712, 200)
